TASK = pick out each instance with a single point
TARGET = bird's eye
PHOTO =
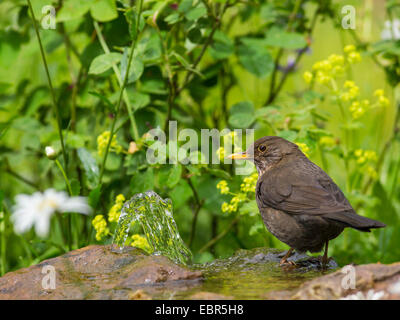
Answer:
(262, 148)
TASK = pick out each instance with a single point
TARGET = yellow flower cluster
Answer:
(115, 211)
(249, 183)
(223, 186)
(102, 141)
(233, 205)
(382, 100)
(372, 172)
(351, 91)
(308, 76)
(304, 148)
(326, 70)
(139, 241)
(358, 108)
(100, 225)
(353, 55)
(364, 156)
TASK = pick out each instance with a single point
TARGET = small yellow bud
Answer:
(307, 76)
(349, 48)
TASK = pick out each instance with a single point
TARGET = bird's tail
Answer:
(353, 220)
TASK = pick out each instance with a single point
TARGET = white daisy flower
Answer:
(36, 209)
(371, 295)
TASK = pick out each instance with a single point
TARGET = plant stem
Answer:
(69, 218)
(199, 204)
(125, 82)
(117, 74)
(53, 95)
(21, 178)
(189, 74)
(170, 79)
(219, 236)
(65, 176)
(274, 93)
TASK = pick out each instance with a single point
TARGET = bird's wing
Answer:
(301, 193)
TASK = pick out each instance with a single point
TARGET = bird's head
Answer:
(267, 151)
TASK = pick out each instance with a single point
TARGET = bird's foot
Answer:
(324, 261)
(285, 262)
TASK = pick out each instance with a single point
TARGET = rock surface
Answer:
(97, 272)
(371, 281)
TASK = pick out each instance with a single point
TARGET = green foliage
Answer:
(206, 64)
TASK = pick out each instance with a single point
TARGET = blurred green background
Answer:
(206, 64)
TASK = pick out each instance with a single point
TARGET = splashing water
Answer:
(155, 217)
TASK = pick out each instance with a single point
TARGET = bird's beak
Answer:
(240, 156)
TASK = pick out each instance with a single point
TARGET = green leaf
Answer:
(104, 62)
(142, 181)
(104, 10)
(76, 140)
(139, 100)
(90, 166)
(222, 46)
(124, 64)
(241, 115)
(131, 19)
(249, 208)
(196, 13)
(174, 175)
(136, 70)
(276, 37)
(219, 173)
(154, 86)
(195, 36)
(169, 175)
(256, 60)
(288, 135)
(94, 196)
(185, 6)
(113, 162)
(241, 120)
(149, 49)
(242, 107)
(73, 9)
(172, 18)
(256, 228)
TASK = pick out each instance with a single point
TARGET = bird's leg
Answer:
(287, 255)
(325, 256)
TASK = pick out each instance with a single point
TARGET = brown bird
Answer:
(299, 203)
